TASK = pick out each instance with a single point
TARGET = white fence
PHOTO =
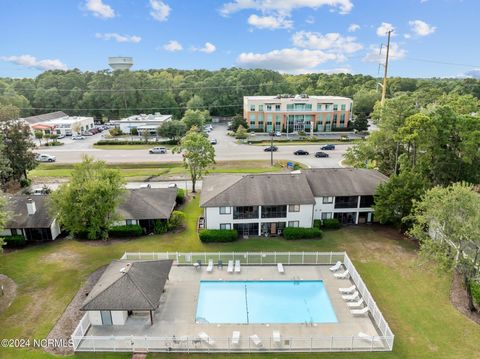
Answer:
(384, 342)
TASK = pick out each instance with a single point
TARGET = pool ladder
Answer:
(296, 280)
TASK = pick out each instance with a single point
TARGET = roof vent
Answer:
(126, 268)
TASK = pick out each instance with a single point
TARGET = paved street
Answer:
(226, 150)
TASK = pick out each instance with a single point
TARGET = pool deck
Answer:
(175, 317)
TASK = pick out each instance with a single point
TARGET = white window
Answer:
(327, 200)
(129, 222)
(293, 223)
(225, 210)
(294, 208)
(225, 226)
(326, 215)
(252, 107)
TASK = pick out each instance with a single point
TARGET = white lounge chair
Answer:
(348, 290)
(237, 266)
(362, 311)
(368, 338)
(235, 337)
(256, 340)
(351, 297)
(276, 337)
(336, 266)
(230, 266)
(280, 268)
(206, 338)
(210, 265)
(343, 275)
(357, 304)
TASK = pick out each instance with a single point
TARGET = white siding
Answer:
(95, 317)
(320, 208)
(119, 317)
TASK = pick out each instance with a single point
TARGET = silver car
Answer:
(45, 158)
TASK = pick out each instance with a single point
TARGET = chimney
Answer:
(31, 208)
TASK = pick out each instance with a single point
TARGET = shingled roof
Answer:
(343, 181)
(256, 190)
(148, 203)
(19, 217)
(44, 117)
(129, 285)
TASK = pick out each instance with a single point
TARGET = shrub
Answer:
(127, 142)
(16, 241)
(180, 199)
(317, 223)
(115, 131)
(54, 143)
(177, 219)
(475, 289)
(218, 235)
(160, 227)
(331, 223)
(131, 230)
(25, 182)
(301, 233)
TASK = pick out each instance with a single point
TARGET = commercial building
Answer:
(288, 113)
(142, 122)
(265, 204)
(60, 124)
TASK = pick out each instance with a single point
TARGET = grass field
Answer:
(413, 297)
(143, 170)
(129, 147)
(293, 143)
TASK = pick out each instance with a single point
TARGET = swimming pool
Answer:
(250, 302)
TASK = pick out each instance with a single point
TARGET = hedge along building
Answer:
(267, 203)
(290, 113)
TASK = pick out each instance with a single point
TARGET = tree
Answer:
(238, 121)
(5, 169)
(4, 216)
(17, 147)
(241, 133)
(134, 131)
(198, 154)
(195, 103)
(363, 104)
(447, 224)
(194, 118)
(145, 135)
(86, 205)
(173, 130)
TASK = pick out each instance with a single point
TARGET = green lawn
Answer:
(143, 170)
(130, 147)
(413, 297)
(291, 143)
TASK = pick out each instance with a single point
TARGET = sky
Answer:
(430, 38)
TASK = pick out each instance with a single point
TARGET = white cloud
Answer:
(160, 10)
(118, 38)
(475, 73)
(332, 41)
(173, 46)
(208, 48)
(396, 53)
(99, 9)
(270, 22)
(421, 28)
(407, 36)
(384, 28)
(33, 62)
(353, 27)
(336, 70)
(310, 20)
(287, 60)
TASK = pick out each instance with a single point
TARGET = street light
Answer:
(271, 148)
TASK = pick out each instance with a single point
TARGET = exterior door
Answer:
(106, 317)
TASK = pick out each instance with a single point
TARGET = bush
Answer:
(54, 143)
(218, 235)
(180, 199)
(177, 220)
(317, 223)
(127, 142)
(475, 289)
(160, 227)
(16, 241)
(115, 131)
(25, 182)
(301, 233)
(331, 223)
(131, 230)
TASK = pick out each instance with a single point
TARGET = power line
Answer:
(125, 109)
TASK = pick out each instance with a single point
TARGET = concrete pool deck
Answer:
(174, 327)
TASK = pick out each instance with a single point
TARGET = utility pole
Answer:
(384, 86)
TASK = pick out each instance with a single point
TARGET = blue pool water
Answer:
(264, 302)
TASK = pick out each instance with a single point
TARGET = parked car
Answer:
(301, 153)
(321, 154)
(327, 147)
(213, 141)
(172, 185)
(45, 158)
(161, 150)
(60, 136)
(278, 134)
(271, 149)
(78, 137)
(86, 133)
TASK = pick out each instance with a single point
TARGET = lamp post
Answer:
(271, 148)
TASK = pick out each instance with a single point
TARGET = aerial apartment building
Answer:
(289, 113)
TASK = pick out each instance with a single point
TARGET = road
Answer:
(226, 150)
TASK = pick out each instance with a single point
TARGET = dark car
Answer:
(271, 149)
(321, 154)
(301, 153)
(327, 147)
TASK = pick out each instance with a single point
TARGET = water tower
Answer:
(120, 63)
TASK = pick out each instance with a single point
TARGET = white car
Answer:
(172, 185)
(45, 158)
(161, 150)
(213, 141)
(60, 136)
(78, 137)
(278, 134)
